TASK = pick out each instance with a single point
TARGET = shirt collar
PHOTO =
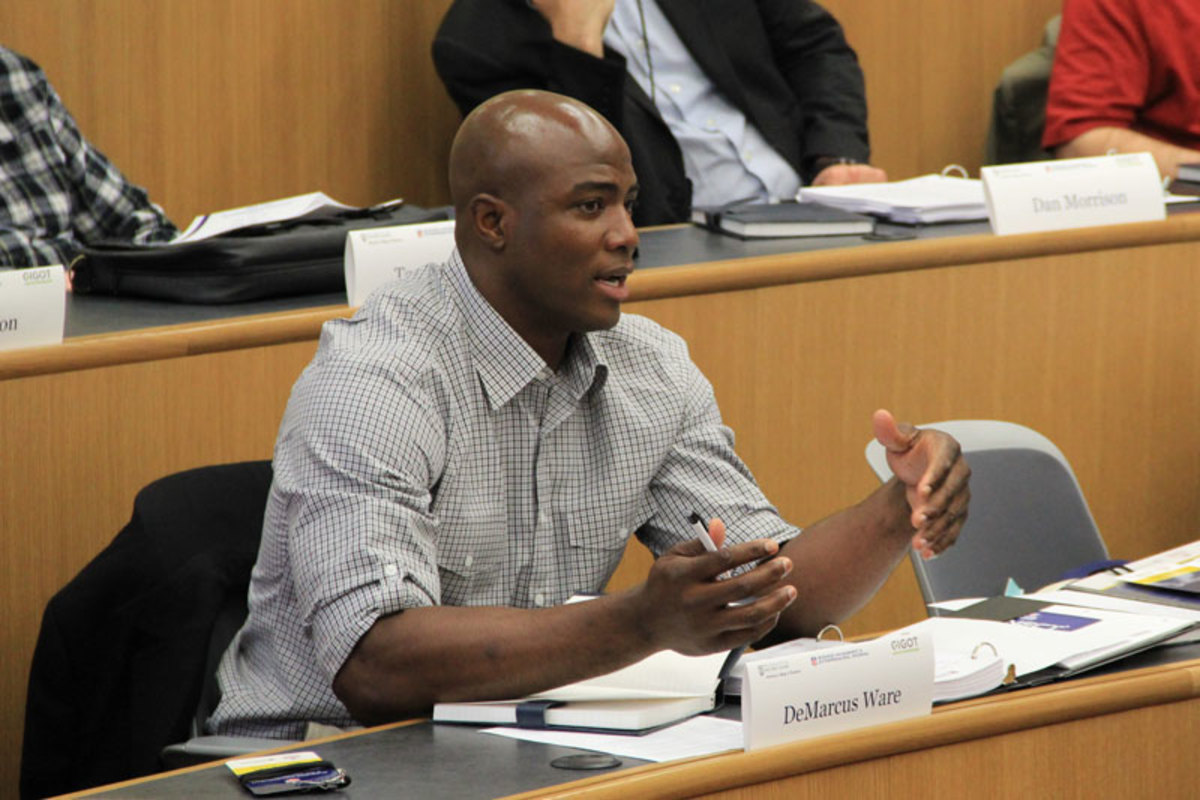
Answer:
(505, 362)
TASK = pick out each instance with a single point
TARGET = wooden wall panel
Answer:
(931, 67)
(217, 103)
(1096, 349)
(1095, 352)
(77, 446)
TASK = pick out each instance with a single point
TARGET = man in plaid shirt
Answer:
(485, 435)
(56, 190)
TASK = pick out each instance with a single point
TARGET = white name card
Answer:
(33, 307)
(376, 256)
(1073, 193)
(837, 689)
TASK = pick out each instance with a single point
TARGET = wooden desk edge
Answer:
(818, 265)
(175, 341)
(960, 722)
(283, 748)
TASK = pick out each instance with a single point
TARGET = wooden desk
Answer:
(1090, 337)
(1128, 734)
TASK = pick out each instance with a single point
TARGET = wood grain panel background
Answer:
(218, 103)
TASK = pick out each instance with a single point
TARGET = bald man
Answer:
(478, 444)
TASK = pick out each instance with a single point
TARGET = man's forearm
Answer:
(408, 661)
(842, 560)
(411, 660)
(1099, 141)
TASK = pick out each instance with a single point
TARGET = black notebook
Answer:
(764, 220)
(1189, 172)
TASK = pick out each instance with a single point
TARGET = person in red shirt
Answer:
(1126, 78)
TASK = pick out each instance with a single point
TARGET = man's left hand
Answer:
(841, 174)
(935, 475)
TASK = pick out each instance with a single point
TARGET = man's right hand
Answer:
(578, 23)
(685, 606)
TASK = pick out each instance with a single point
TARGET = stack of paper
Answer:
(927, 199)
(1162, 579)
(699, 736)
(207, 226)
(1037, 635)
(959, 675)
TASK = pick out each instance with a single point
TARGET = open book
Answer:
(664, 688)
(1045, 641)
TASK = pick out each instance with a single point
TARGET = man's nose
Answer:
(624, 234)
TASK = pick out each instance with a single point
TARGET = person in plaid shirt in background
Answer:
(58, 192)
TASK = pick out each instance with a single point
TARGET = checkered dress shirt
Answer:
(428, 456)
(56, 190)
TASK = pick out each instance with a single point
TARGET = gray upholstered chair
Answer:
(1028, 519)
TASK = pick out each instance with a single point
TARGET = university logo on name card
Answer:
(33, 306)
(375, 256)
(1073, 193)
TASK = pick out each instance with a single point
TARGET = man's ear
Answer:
(491, 219)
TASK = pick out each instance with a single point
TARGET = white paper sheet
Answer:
(698, 736)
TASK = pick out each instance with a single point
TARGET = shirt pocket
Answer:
(471, 553)
(598, 540)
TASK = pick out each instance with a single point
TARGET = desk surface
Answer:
(674, 261)
(427, 760)
(1070, 333)
(89, 315)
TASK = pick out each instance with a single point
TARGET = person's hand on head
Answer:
(578, 23)
(841, 174)
(930, 465)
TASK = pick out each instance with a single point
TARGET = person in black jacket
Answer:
(763, 95)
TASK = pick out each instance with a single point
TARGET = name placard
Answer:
(1073, 193)
(33, 307)
(836, 689)
(376, 256)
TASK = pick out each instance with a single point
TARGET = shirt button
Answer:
(390, 570)
(543, 518)
(676, 88)
(469, 560)
(539, 599)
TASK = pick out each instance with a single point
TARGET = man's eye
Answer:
(591, 206)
